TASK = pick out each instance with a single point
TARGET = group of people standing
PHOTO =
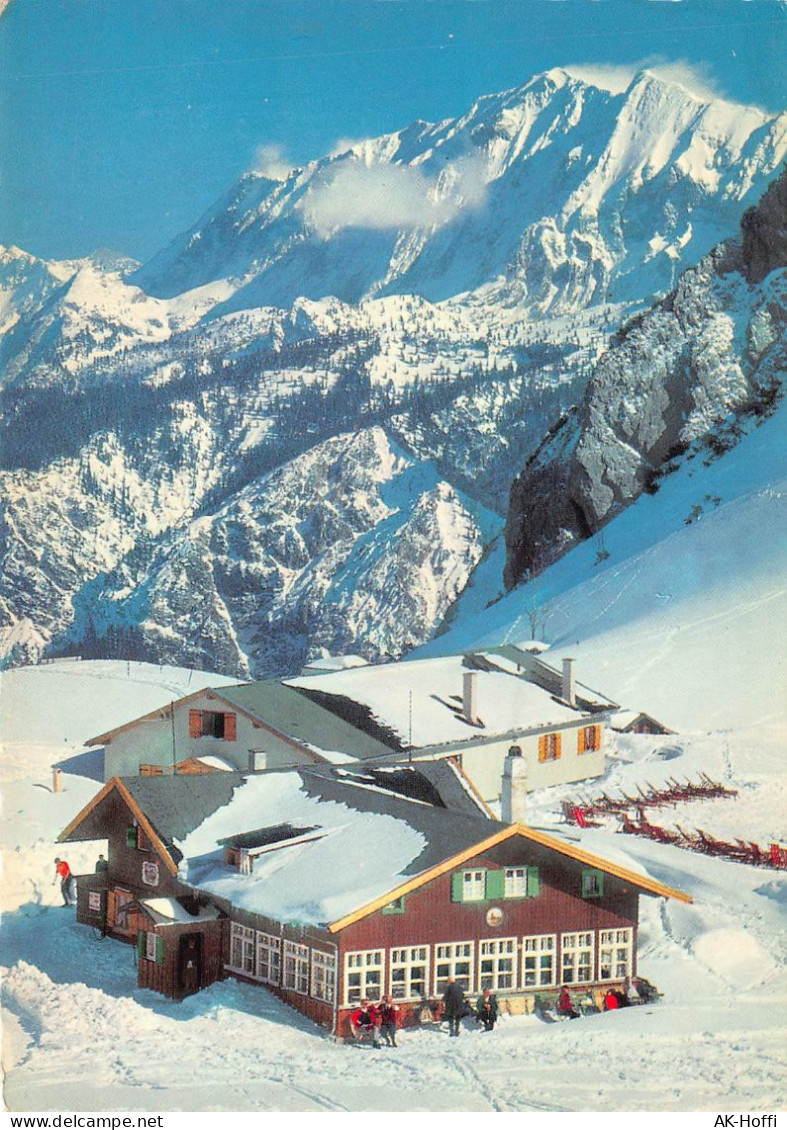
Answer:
(379, 1022)
(376, 1022)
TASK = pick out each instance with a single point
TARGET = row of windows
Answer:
(534, 962)
(277, 961)
(550, 745)
(482, 885)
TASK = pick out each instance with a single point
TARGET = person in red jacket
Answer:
(611, 1000)
(63, 872)
(564, 1005)
(365, 1021)
(389, 1018)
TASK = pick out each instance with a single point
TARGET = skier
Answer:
(63, 872)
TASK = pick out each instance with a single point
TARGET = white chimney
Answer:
(469, 697)
(569, 686)
(258, 760)
(513, 801)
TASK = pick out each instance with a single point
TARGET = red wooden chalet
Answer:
(327, 885)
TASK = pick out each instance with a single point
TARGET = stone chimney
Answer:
(469, 697)
(569, 690)
(513, 801)
(258, 760)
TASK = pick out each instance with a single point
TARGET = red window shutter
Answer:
(195, 723)
(230, 728)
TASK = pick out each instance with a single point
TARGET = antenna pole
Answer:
(410, 751)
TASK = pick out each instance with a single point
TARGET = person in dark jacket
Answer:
(454, 1006)
(486, 1009)
(389, 1016)
(102, 865)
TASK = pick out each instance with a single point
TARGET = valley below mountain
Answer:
(296, 427)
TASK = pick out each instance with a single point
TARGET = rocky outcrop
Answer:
(714, 346)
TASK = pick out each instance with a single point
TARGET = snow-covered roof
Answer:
(340, 844)
(335, 663)
(169, 912)
(424, 697)
(215, 762)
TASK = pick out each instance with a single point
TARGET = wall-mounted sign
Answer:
(150, 874)
(94, 900)
(494, 916)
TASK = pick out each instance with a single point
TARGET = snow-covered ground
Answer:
(79, 1035)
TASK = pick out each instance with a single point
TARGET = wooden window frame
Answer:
(295, 968)
(323, 976)
(542, 944)
(494, 956)
(621, 953)
(267, 954)
(577, 943)
(588, 739)
(592, 883)
(550, 746)
(361, 963)
(407, 958)
(396, 906)
(453, 959)
(243, 937)
(229, 727)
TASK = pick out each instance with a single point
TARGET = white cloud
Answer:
(270, 161)
(693, 77)
(382, 197)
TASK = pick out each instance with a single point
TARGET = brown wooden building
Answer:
(233, 874)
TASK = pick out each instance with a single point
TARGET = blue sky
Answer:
(123, 120)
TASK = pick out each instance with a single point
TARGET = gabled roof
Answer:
(375, 844)
(284, 711)
(418, 703)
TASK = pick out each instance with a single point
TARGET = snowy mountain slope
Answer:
(715, 345)
(78, 1031)
(678, 611)
(553, 194)
(125, 417)
(352, 543)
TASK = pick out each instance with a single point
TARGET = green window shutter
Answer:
(592, 884)
(457, 889)
(159, 950)
(395, 907)
(131, 836)
(533, 883)
(142, 941)
(495, 884)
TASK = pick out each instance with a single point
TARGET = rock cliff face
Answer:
(715, 346)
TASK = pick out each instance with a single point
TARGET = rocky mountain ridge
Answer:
(676, 377)
(147, 431)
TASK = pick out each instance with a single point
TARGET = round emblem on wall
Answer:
(494, 916)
